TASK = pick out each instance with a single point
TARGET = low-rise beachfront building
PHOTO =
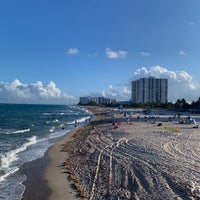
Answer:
(114, 101)
(150, 90)
(96, 101)
(88, 100)
(103, 100)
(84, 100)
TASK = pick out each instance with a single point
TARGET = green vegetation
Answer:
(172, 129)
(180, 105)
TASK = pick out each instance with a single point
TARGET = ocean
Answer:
(26, 132)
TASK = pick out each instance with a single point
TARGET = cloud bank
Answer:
(180, 84)
(38, 92)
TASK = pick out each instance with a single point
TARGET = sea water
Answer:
(26, 132)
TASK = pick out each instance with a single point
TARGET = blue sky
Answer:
(56, 51)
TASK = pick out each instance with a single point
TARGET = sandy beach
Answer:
(55, 173)
(133, 158)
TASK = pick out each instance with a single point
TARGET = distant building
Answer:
(84, 100)
(96, 101)
(150, 90)
(114, 101)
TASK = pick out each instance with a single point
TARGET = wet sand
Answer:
(47, 178)
(36, 185)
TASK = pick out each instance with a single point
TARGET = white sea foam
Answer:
(57, 134)
(48, 114)
(83, 119)
(8, 173)
(21, 131)
(8, 158)
(59, 113)
(49, 123)
(52, 129)
(55, 120)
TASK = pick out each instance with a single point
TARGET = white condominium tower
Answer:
(150, 90)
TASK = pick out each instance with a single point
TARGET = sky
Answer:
(54, 51)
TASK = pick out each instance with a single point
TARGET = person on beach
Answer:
(76, 124)
(114, 125)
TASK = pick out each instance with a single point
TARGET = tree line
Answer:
(179, 105)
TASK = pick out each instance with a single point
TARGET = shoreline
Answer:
(46, 177)
(36, 186)
(56, 174)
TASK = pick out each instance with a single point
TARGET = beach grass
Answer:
(172, 129)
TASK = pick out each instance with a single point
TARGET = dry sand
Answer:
(137, 160)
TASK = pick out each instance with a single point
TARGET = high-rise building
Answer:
(150, 90)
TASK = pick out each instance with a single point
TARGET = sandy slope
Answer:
(135, 161)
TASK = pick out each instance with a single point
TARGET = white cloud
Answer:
(181, 53)
(17, 92)
(145, 54)
(115, 54)
(121, 92)
(72, 51)
(110, 87)
(110, 93)
(180, 83)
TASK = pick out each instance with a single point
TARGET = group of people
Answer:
(116, 124)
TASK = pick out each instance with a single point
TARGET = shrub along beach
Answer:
(123, 156)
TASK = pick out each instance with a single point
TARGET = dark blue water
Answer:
(26, 132)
